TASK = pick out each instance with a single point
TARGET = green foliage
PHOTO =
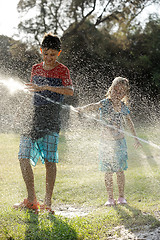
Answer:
(17, 58)
(144, 50)
(24, 5)
(50, 15)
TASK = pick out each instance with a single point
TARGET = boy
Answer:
(50, 81)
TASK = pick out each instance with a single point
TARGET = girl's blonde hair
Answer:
(116, 81)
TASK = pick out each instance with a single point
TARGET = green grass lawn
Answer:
(80, 184)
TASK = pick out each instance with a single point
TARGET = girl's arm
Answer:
(61, 90)
(89, 107)
(132, 128)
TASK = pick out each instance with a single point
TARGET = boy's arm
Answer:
(132, 128)
(61, 90)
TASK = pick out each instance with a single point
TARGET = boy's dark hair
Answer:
(51, 41)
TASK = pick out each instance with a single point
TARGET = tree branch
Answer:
(75, 28)
(99, 19)
(108, 17)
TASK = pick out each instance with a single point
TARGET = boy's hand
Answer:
(34, 87)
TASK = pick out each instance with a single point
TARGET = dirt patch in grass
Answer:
(118, 232)
(71, 211)
(124, 234)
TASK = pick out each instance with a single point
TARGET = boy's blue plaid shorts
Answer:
(43, 148)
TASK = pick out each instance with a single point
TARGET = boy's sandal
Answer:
(110, 202)
(26, 204)
(48, 209)
(121, 201)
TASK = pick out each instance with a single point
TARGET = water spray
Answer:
(21, 86)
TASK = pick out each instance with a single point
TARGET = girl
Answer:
(113, 148)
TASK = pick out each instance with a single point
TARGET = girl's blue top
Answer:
(110, 116)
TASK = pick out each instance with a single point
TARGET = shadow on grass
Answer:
(134, 219)
(48, 226)
(26, 225)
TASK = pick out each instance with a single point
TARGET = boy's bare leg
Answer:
(109, 184)
(121, 183)
(50, 181)
(28, 177)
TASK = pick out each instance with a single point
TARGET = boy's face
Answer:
(49, 56)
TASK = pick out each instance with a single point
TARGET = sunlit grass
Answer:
(80, 183)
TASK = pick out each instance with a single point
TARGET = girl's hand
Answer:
(137, 143)
(80, 109)
(89, 107)
(34, 87)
